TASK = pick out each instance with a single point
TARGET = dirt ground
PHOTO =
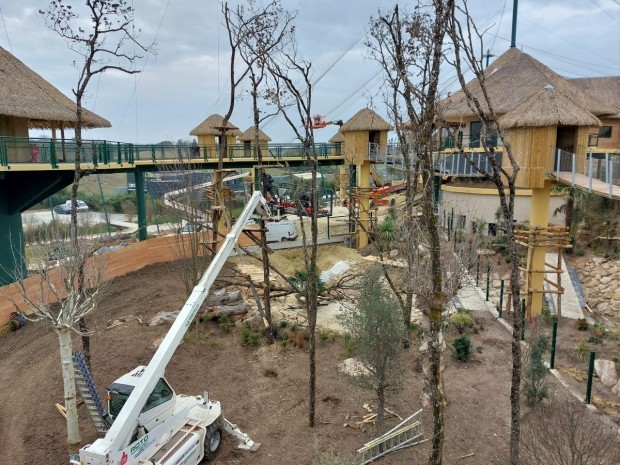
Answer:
(263, 390)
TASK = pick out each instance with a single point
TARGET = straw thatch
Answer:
(25, 94)
(337, 138)
(366, 120)
(212, 127)
(513, 78)
(248, 135)
(606, 89)
(548, 107)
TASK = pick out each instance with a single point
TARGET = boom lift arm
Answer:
(121, 432)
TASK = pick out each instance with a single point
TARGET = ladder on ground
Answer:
(406, 434)
(86, 387)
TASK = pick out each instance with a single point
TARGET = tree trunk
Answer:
(68, 377)
(380, 409)
(312, 297)
(77, 255)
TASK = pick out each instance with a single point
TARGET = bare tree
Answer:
(467, 46)
(566, 433)
(260, 35)
(186, 204)
(109, 43)
(410, 48)
(292, 95)
(52, 296)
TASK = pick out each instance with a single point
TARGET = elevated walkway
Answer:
(36, 154)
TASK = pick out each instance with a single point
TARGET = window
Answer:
(160, 394)
(604, 132)
(474, 134)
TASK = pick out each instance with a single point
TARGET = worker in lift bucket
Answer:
(267, 182)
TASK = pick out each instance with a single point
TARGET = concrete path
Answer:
(571, 308)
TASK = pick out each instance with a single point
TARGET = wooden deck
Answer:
(583, 182)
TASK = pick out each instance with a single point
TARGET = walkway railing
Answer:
(465, 164)
(15, 150)
(595, 166)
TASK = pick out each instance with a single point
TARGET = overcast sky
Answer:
(185, 82)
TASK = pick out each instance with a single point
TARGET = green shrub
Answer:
(249, 337)
(534, 376)
(579, 252)
(461, 348)
(350, 345)
(283, 324)
(224, 322)
(462, 321)
(325, 335)
(595, 340)
(300, 279)
(580, 350)
(415, 328)
(614, 335)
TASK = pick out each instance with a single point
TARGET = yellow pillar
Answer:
(363, 182)
(539, 216)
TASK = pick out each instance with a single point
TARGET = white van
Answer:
(279, 231)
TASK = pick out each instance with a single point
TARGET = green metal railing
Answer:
(14, 150)
(472, 141)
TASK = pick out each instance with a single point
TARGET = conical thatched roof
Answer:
(606, 89)
(248, 135)
(548, 107)
(212, 127)
(336, 138)
(25, 94)
(513, 78)
(365, 120)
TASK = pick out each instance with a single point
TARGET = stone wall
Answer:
(600, 279)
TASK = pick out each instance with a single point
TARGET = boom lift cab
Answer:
(149, 423)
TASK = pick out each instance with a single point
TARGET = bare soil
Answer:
(263, 390)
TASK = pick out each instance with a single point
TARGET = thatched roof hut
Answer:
(548, 107)
(212, 127)
(337, 138)
(365, 120)
(248, 135)
(513, 78)
(25, 94)
(606, 89)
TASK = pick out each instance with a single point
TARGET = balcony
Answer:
(461, 142)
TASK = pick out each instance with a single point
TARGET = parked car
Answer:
(191, 228)
(65, 208)
(279, 231)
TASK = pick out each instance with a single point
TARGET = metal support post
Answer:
(478, 272)
(488, 282)
(554, 335)
(141, 204)
(590, 375)
(501, 297)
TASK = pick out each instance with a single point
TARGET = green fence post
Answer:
(501, 297)
(478, 272)
(141, 204)
(53, 159)
(118, 153)
(523, 319)
(553, 339)
(590, 375)
(488, 282)
(328, 228)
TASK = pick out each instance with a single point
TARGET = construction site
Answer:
(228, 299)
